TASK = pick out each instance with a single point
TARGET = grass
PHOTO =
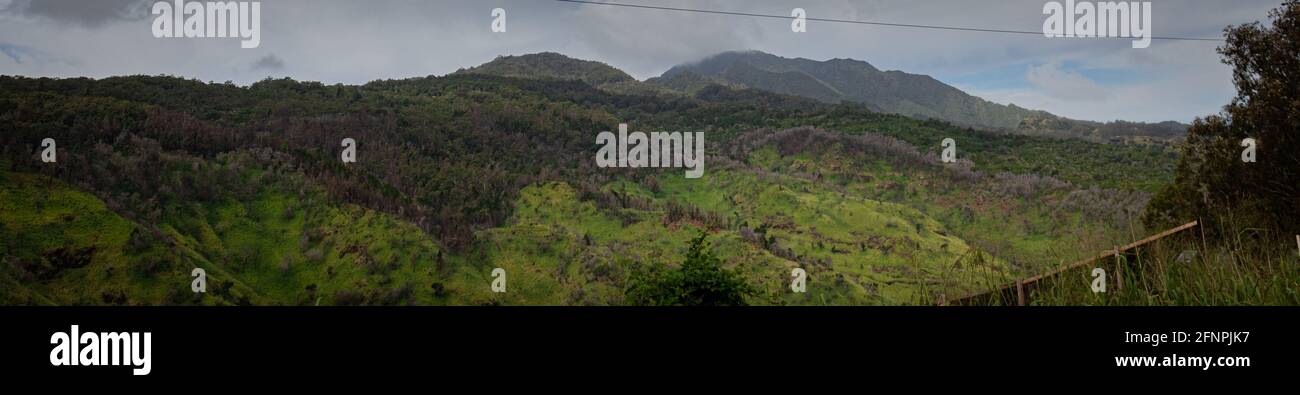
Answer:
(47, 229)
(1237, 272)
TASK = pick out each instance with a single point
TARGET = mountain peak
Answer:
(551, 65)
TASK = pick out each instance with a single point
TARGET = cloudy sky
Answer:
(358, 41)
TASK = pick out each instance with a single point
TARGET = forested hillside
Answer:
(461, 174)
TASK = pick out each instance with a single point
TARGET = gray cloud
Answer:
(270, 62)
(94, 13)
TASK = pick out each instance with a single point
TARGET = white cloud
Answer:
(1064, 85)
(1179, 96)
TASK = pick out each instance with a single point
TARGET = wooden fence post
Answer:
(1119, 271)
(1020, 293)
(1205, 247)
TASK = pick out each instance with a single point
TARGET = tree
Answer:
(700, 281)
(1212, 180)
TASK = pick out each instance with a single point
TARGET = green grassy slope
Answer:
(566, 251)
(62, 246)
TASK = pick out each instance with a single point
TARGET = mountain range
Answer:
(833, 81)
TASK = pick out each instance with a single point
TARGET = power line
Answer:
(907, 25)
